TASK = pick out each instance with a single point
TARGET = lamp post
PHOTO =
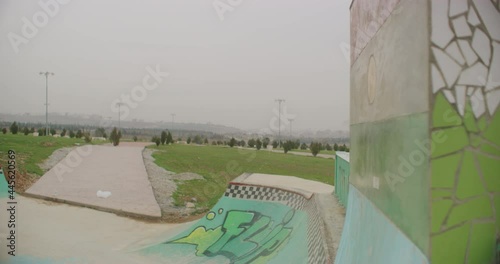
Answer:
(47, 129)
(279, 118)
(119, 112)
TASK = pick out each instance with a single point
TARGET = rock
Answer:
(190, 205)
(194, 200)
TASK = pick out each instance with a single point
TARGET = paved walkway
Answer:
(88, 169)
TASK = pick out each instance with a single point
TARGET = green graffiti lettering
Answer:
(233, 226)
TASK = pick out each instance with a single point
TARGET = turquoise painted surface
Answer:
(4, 190)
(370, 237)
(240, 231)
(342, 171)
(390, 165)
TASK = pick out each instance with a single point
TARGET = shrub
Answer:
(135, 138)
(315, 148)
(14, 128)
(26, 131)
(87, 138)
(4, 130)
(115, 136)
(232, 142)
(258, 144)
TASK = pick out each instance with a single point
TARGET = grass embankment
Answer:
(218, 165)
(31, 151)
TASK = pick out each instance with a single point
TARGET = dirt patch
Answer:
(164, 186)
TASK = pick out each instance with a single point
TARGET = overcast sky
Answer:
(222, 71)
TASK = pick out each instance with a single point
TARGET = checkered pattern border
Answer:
(250, 192)
(315, 230)
(317, 248)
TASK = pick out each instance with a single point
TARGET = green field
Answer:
(30, 150)
(327, 152)
(218, 165)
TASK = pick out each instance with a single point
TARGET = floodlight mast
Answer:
(279, 118)
(47, 129)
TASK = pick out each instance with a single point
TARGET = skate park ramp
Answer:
(251, 224)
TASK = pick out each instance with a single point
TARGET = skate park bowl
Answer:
(251, 224)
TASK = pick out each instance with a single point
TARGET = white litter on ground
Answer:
(103, 194)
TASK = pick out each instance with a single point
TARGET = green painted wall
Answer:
(391, 168)
(342, 172)
(465, 122)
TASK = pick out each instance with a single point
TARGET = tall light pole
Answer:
(290, 120)
(279, 118)
(119, 112)
(47, 129)
(173, 120)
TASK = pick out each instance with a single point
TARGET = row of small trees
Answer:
(164, 138)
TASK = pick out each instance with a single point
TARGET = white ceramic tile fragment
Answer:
(461, 27)
(457, 7)
(494, 77)
(441, 31)
(470, 91)
(460, 98)
(474, 75)
(477, 103)
(454, 52)
(437, 80)
(481, 44)
(469, 54)
(449, 95)
(449, 67)
(472, 17)
(490, 16)
(492, 100)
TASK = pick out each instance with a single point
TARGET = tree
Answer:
(163, 137)
(79, 134)
(258, 144)
(335, 147)
(115, 136)
(205, 141)
(288, 145)
(26, 131)
(100, 132)
(342, 148)
(63, 133)
(242, 143)
(71, 134)
(189, 140)
(197, 140)
(232, 142)
(328, 147)
(170, 139)
(347, 149)
(14, 128)
(303, 146)
(32, 130)
(53, 131)
(157, 141)
(265, 142)
(4, 130)
(296, 144)
(135, 138)
(87, 138)
(315, 148)
(251, 142)
(275, 144)
(214, 143)
(41, 132)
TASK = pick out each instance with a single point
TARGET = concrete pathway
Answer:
(88, 169)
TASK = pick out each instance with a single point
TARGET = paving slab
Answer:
(89, 169)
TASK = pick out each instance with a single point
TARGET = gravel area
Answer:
(333, 215)
(163, 183)
(56, 156)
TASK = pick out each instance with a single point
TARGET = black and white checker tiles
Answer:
(316, 243)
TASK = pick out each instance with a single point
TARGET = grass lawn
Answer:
(218, 165)
(328, 152)
(30, 150)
